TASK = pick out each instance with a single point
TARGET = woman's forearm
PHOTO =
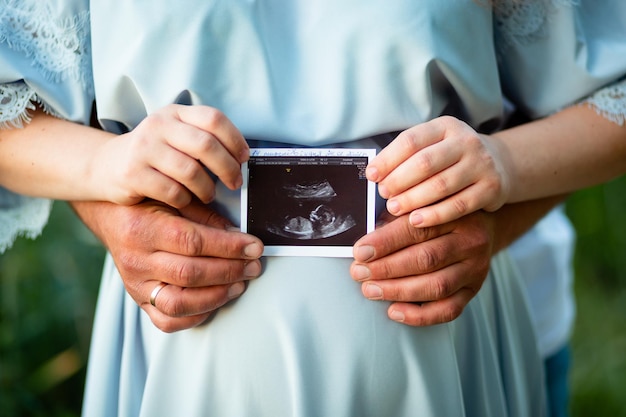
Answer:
(50, 158)
(568, 151)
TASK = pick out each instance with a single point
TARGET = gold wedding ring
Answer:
(155, 292)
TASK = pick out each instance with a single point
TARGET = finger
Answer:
(419, 167)
(467, 201)
(175, 301)
(155, 185)
(461, 188)
(419, 288)
(205, 215)
(442, 190)
(181, 167)
(216, 122)
(169, 324)
(392, 237)
(206, 147)
(431, 313)
(416, 259)
(183, 271)
(188, 238)
(403, 147)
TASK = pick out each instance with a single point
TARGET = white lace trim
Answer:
(610, 102)
(22, 216)
(15, 101)
(60, 49)
(524, 21)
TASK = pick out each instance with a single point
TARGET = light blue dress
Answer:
(302, 340)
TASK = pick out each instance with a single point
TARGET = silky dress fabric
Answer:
(302, 340)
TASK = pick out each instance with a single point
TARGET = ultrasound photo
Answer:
(312, 201)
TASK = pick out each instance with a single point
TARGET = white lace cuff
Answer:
(21, 216)
(16, 99)
(610, 102)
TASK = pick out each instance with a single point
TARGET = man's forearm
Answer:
(513, 220)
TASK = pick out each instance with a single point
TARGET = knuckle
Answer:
(424, 162)
(448, 120)
(440, 288)
(440, 185)
(185, 274)
(128, 262)
(418, 234)
(472, 139)
(426, 260)
(383, 270)
(460, 206)
(233, 274)
(205, 142)
(419, 320)
(214, 118)
(172, 306)
(152, 122)
(410, 141)
(451, 312)
(189, 170)
(175, 193)
(187, 240)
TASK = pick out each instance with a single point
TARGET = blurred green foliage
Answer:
(48, 290)
(599, 340)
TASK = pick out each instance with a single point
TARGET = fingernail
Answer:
(393, 206)
(252, 270)
(373, 292)
(371, 173)
(360, 272)
(364, 253)
(236, 290)
(233, 229)
(396, 315)
(416, 219)
(253, 250)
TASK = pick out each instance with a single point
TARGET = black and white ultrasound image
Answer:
(309, 204)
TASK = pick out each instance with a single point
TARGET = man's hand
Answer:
(431, 273)
(194, 251)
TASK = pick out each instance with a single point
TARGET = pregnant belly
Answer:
(303, 341)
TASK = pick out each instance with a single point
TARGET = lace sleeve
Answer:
(21, 216)
(610, 102)
(45, 60)
(15, 101)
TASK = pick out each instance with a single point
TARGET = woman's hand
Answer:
(167, 155)
(430, 274)
(194, 251)
(440, 171)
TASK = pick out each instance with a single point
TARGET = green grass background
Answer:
(48, 291)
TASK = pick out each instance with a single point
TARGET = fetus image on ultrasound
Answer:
(299, 202)
(320, 222)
